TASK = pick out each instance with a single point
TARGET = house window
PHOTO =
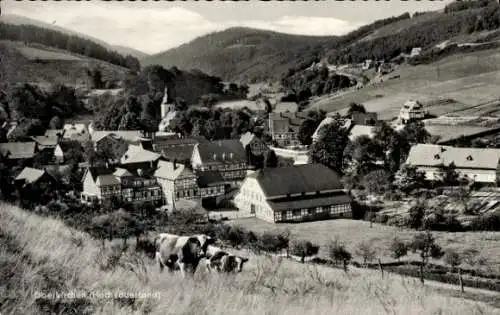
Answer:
(303, 212)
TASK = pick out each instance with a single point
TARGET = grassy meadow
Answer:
(40, 255)
(468, 78)
(353, 232)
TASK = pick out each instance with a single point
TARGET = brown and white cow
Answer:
(180, 252)
(222, 261)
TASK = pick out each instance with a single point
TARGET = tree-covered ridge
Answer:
(426, 34)
(71, 43)
(251, 55)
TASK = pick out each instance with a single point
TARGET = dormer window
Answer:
(469, 158)
(437, 157)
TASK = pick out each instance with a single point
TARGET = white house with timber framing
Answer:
(296, 193)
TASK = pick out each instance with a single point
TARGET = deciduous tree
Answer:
(425, 244)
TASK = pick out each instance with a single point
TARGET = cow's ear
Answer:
(243, 259)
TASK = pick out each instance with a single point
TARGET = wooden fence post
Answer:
(460, 280)
(381, 268)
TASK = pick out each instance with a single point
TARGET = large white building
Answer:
(478, 165)
(294, 193)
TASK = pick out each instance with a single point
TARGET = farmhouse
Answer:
(136, 156)
(57, 133)
(411, 110)
(18, 151)
(135, 186)
(115, 142)
(256, 145)
(45, 142)
(294, 193)
(359, 118)
(32, 176)
(177, 181)
(67, 149)
(284, 128)
(78, 132)
(175, 148)
(479, 165)
(226, 156)
(210, 184)
(415, 51)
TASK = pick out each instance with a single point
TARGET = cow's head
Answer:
(240, 261)
(205, 241)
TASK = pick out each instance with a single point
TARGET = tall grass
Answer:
(45, 255)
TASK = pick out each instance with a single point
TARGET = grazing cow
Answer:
(175, 251)
(223, 261)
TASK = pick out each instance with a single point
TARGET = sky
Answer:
(156, 26)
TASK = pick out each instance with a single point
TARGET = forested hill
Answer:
(15, 19)
(243, 53)
(72, 43)
(252, 55)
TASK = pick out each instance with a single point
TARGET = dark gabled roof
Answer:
(297, 179)
(309, 202)
(174, 141)
(208, 178)
(67, 145)
(180, 153)
(222, 151)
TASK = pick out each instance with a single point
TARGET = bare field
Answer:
(353, 232)
(238, 104)
(468, 78)
(266, 286)
(33, 53)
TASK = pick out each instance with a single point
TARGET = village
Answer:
(168, 170)
(348, 174)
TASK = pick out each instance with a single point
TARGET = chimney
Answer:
(107, 164)
(139, 172)
(175, 164)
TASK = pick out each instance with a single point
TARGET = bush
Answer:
(339, 253)
(303, 248)
(381, 218)
(486, 223)
(272, 242)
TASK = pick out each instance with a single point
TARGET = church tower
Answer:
(165, 105)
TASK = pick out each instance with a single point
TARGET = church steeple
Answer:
(165, 105)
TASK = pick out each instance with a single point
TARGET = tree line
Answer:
(72, 43)
(138, 107)
(314, 82)
(425, 34)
